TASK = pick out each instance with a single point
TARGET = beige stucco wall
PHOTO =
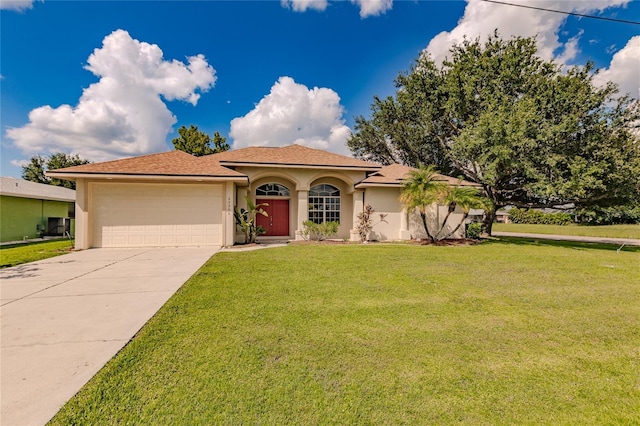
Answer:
(83, 237)
(385, 202)
(397, 225)
(435, 217)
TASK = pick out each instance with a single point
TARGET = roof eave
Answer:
(299, 166)
(149, 176)
(378, 184)
(38, 197)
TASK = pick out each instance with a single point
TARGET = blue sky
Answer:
(114, 79)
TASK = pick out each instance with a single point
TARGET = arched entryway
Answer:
(275, 199)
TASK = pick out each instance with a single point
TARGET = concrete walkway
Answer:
(63, 318)
(601, 240)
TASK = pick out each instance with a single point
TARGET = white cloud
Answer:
(373, 7)
(293, 113)
(19, 163)
(571, 49)
(123, 113)
(367, 7)
(624, 69)
(482, 18)
(303, 5)
(17, 5)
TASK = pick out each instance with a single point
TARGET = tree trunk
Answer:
(423, 216)
(464, 217)
(487, 221)
(451, 209)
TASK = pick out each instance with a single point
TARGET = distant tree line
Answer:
(191, 140)
(38, 165)
(195, 142)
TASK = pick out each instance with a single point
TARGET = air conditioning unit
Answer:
(58, 226)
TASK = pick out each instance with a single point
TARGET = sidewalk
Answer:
(600, 240)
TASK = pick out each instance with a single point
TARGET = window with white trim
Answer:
(324, 203)
(272, 190)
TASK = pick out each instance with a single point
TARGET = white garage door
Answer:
(156, 215)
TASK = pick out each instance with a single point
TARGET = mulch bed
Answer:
(452, 242)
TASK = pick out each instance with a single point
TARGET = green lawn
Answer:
(505, 332)
(610, 231)
(30, 252)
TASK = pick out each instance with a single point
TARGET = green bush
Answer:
(619, 215)
(474, 230)
(319, 231)
(537, 217)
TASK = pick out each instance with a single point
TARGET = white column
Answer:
(303, 212)
(358, 207)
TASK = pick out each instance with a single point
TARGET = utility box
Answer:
(58, 226)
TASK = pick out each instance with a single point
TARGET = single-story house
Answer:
(502, 215)
(176, 199)
(30, 210)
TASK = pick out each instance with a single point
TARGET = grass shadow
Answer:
(31, 243)
(578, 245)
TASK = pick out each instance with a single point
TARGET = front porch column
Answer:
(358, 207)
(303, 212)
(404, 225)
(229, 227)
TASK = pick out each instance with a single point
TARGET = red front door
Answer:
(277, 223)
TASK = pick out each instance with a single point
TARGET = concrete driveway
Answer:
(63, 318)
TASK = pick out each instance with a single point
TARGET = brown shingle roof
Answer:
(172, 163)
(395, 174)
(291, 155)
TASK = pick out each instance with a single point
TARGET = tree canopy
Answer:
(531, 132)
(38, 165)
(195, 142)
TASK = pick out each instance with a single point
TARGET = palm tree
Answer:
(466, 198)
(246, 219)
(419, 191)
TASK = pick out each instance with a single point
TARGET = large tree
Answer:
(198, 143)
(38, 165)
(531, 132)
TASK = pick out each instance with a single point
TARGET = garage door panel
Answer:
(137, 215)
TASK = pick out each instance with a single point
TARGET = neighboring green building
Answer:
(31, 210)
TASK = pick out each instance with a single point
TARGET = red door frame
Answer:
(277, 223)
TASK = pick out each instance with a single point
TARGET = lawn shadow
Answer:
(578, 245)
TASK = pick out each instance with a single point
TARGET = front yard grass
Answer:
(505, 332)
(30, 252)
(607, 231)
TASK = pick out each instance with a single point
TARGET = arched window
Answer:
(324, 204)
(272, 190)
